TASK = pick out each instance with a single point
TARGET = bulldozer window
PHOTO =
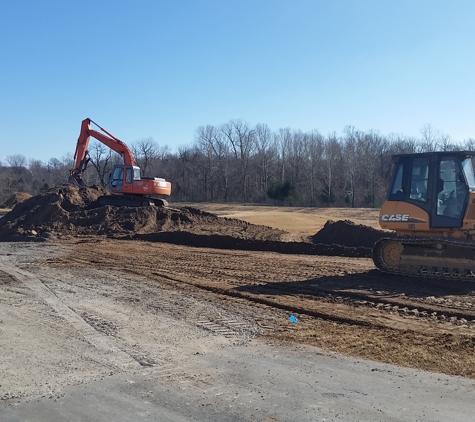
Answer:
(399, 189)
(397, 185)
(400, 186)
(419, 179)
(468, 172)
(451, 190)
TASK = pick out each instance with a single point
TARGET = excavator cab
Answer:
(431, 208)
(122, 175)
(127, 180)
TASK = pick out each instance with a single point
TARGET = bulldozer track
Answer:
(446, 271)
(358, 300)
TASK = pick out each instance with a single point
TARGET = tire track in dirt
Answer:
(328, 296)
(211, 318)
(191, 309)
(63, 297)
(312, 297)
(342, 304)
(115, 356)
(208, 317)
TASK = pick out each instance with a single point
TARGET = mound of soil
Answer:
(347, 233)
(15, 199)
(68, 210)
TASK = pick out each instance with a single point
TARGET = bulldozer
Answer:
(430, 206)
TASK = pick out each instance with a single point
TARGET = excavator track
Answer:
(426, 257)
(130, 201)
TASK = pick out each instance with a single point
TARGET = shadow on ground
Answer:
(371, 282)
(230, 242)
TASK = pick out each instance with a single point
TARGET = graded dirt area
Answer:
(89, 284)
(343, 304)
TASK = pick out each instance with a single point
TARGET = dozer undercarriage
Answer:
(430, 257)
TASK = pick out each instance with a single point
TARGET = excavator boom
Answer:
(80, 155)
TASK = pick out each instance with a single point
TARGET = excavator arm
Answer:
(81, 155)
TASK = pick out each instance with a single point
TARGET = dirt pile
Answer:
(15, 199)
(347, 233)
(68, 210)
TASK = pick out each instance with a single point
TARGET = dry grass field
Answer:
(299, 220)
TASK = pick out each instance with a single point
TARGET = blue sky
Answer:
(160, 69)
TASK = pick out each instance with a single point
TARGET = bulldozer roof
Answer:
(465, 154)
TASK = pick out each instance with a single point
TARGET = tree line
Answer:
(237, 162)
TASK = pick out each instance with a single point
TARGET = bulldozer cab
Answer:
(437, 182)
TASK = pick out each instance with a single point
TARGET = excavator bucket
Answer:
(76, 180)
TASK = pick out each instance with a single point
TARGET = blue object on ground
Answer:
(293, 319)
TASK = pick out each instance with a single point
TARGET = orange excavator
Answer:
(431, 207)
(125, 181)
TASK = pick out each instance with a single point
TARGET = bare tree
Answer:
(162, 152)
(297, 155)
(102, 159)
(446, 143)
(222, 152)
(206, 143)
(242, 140)
(266, 154)
(17, 162)
(53, 173)
(468, 145)
(238, 162)
(332, 158)
(284, 140)
(184, 178)
(145, 152)
(315, 151)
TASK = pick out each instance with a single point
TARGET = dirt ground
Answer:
(343, 304)
(237, 271)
